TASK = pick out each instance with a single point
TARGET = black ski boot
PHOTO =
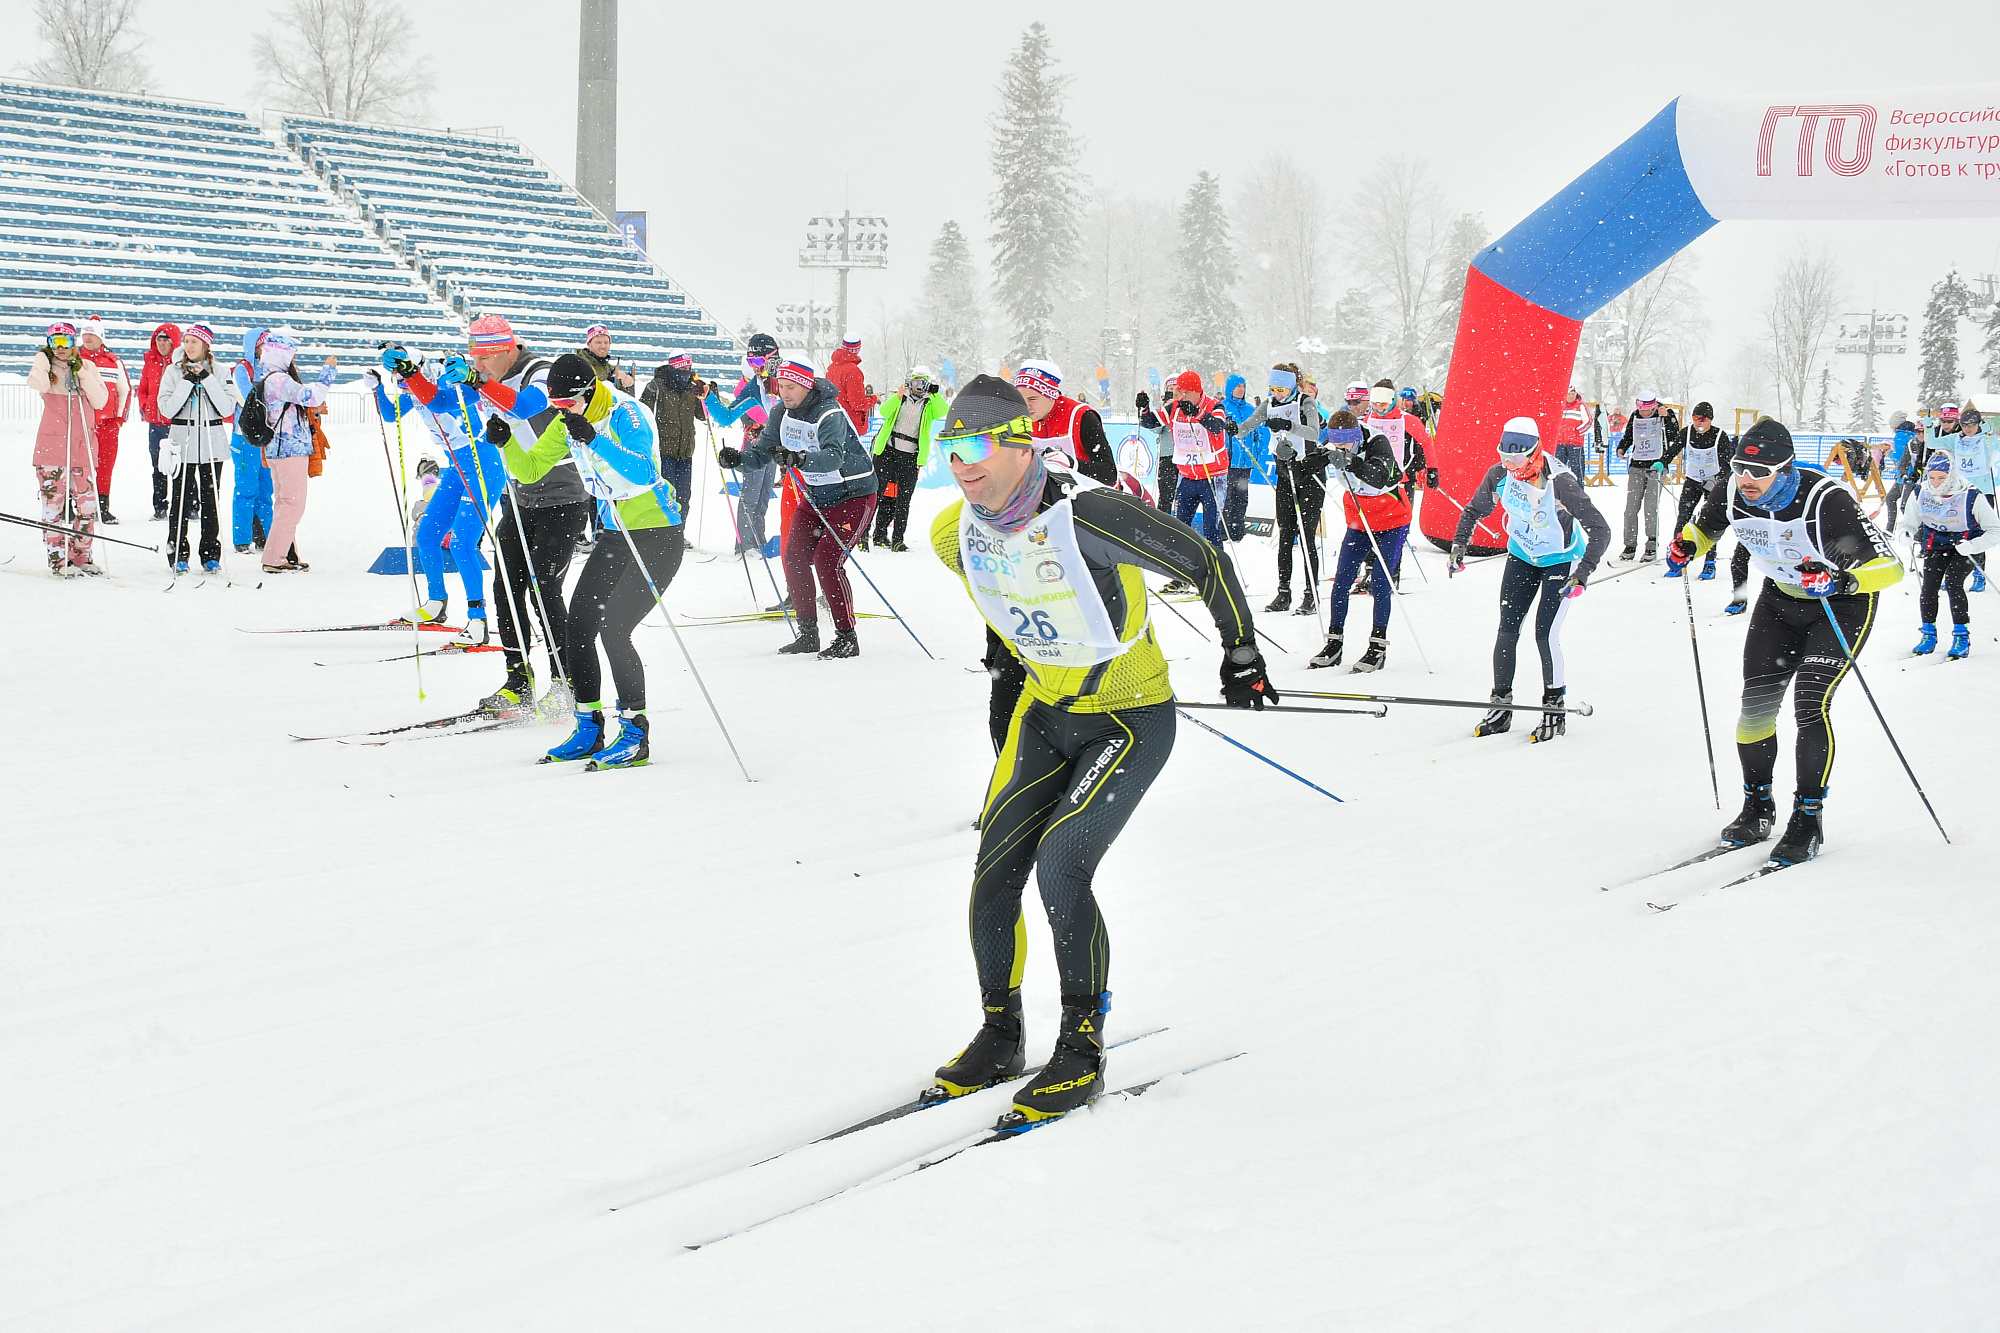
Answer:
(1754, 824)
(996, 1053)
(781, 606)
(1552, 723)
(807, 642)
(1628, 555)
(1283, 601)
(515, 692)
(1075, 1072)
(1802, 835)
(1177, 588)
(1499, 720)
(1307, 604)
(844, 645)
(1377, 655)
(1329, 655)
(1652, 552)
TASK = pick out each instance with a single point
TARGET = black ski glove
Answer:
(1142, 402)
(729, 456)
(579, 429)
(788, 457)
(1185, 408)
(1431, 478)
(1244, 684)
(194, 376)
(498, 431)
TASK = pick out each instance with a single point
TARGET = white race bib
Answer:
(1534, 519)
(1946, 513)
(1703, 464)
(1649, 435)
(1034, 591)
(1190, 443)
(1778, 546)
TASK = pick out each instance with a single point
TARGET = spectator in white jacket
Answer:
(198, 398)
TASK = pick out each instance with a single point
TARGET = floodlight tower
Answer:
(597, 106)
(844, 243)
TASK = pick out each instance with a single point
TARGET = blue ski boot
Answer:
(630, 750)
(211, 566)
(1708, 567)
(1978, 579)
(1961, 642)
(1926, 642)
(586, 740)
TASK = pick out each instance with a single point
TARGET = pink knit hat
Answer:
(490, 334)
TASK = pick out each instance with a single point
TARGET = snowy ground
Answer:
(307, 1036)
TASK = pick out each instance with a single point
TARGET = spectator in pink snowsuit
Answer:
(289, 453)
(65, 454)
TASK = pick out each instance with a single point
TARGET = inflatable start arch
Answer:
(1920, 154)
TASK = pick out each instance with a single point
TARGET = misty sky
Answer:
(734, 131)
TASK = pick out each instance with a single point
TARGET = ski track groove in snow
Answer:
(322, 1037)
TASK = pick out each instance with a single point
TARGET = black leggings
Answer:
(896, 476)
(550, 540)
(1790, 636)
(1062, 789)
(1946, 568)
(195, 487)
(611, 597)
(1520, 584)
(1301, 496)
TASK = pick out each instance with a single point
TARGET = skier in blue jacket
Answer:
(1249, 454)
(250, 500)
(469, 485)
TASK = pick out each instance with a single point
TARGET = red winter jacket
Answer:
(149, 378)
(844, 373)
(118, 406)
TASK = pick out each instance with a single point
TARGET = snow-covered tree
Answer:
(1864, 414)
(1823, 408)
(1937, 369)
(1802, 307)
(1396, 231)
(1037, 206)
(1281, 219)
(948, 309)
(1354, 349)
(1989, 369)
(1461, 247)
(1117, 315)
(90, 45)
(344, 59)
(1652, 327)
(1207, 323)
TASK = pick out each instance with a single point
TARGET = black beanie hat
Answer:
(1704, 410)
(762, 344)
(1766, 442)
(569, 376)
(987, 403)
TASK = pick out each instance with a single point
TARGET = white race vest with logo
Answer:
(1969, 455)
(1946, 513)
(1534, 519)
(1393, 430)
(803, 437)
(1035, 592)
(1777, 546)
(1283, 419)
(605, 482)
(1649, 437)
(1192, 447)
(1704, 464)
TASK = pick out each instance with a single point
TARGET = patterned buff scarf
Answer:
(1015, 514)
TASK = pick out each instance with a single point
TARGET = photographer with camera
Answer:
(65, 469)
(675, 396)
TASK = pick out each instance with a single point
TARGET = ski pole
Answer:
(1831, 620)
(502, 581)
(659, 599)
(51, 527)
(1701, 691)
(1581, 710)
(1182, 710)
(1280, 706)
(735, 524)
(847, 554)
(403, 521)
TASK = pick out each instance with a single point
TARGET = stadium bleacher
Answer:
(144, 211)
(493, 230)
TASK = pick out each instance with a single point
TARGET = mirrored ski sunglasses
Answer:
(978, 448)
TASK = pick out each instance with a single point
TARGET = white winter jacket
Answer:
(200, 413)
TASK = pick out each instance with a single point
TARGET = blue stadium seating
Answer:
(494, 231)
(145, 211)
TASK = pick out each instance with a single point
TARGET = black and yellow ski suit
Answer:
(1792, 635)
(1082, 743)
